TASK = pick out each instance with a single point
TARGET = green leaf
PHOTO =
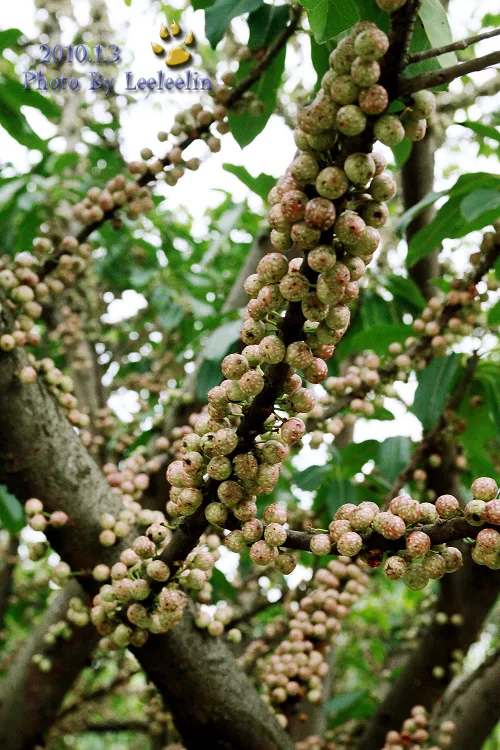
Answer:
(266, 23)
(245, 128)
(437, 28)
(222, 588)
(378, 337)
(320, 54)
(260, 185)
(17, 126)
(485, 131)
(478, 203)
(449, 221)
(405, 289)
(415, 210)
(432, 391)
(494, 315)
(338, 491)
(11, 511)
(311, 478)
(223, 337)
(343, 702)
(329, 18)
(402, 152)
(221, 13)
(201, 4)
(392, 456)
(208, 376)
(9, 38)
(16, 95)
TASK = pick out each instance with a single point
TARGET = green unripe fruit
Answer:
(351, 120)
(344, 90)
(383, 187)
(304, 169)
(365, 72)
(371, 44)
(415, 130)
(359, 168)
(374, 100)
(424, 104)
(389, 130)
(331, 183)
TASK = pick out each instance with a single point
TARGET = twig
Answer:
(453, 47)
(238, 92)
(438, 77)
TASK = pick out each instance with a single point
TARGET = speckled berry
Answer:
(320, 544)
(447, 506)
(351, 120)
(389, 130)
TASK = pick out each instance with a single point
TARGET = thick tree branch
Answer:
(7, 564)
(28, 692)
(475, 708)
(453, 47)
(42, 456)
(439, 77)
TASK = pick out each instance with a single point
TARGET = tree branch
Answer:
(475, 708)
(43, 457)
(439, 77)
(453, 47)
(7, 564)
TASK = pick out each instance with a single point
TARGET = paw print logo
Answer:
(177, 55)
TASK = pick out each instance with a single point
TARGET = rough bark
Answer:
(214, 704)
(7, 563)
(42, 456)
(30, 699)
(475, 710)
(418, 180)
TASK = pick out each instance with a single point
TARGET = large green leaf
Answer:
(265, 25)
(222, 588)
(485, 131)
(337, 491)
(450, 222)
(392, 456)
(432, 391)
(11, 511)
(260, 185)
(9, 38)
(494, 315)
(16, 95)
(311, 478)
(437, 28)
(479, 203)
(219, 15)
(245, 128)
(405, 290)
(320, 54)
(329, 18)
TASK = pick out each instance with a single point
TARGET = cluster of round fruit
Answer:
(129, 483)
(314, 742)
(216, 623)
(419, 561)
(28, 289)
(196, 123)
(298, 666)
(38, 520)
(117, 611)
(415, 733)
(118, 193)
